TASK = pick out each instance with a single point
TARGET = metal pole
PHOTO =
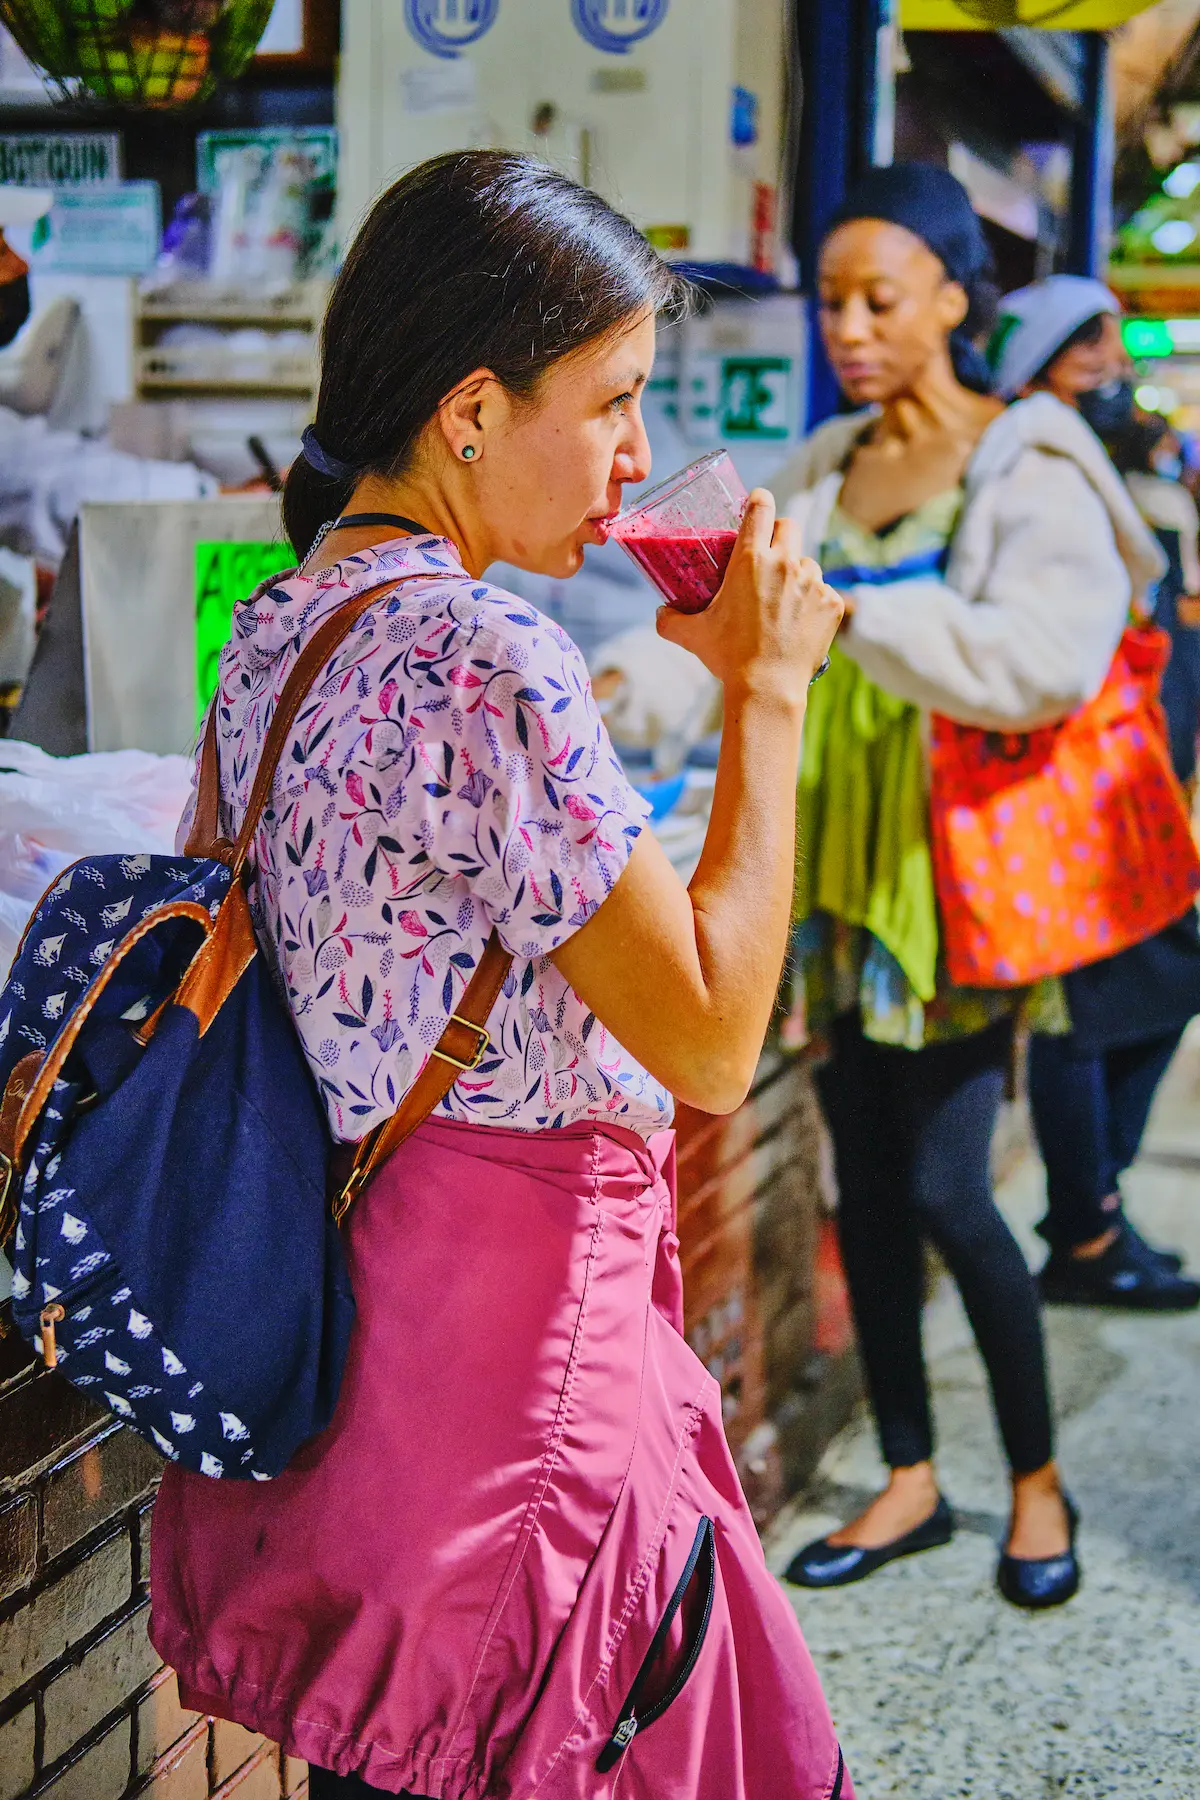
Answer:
(846, 111)
(1091, 164)
(877, 123)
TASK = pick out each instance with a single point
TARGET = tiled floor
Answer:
(939, 1688)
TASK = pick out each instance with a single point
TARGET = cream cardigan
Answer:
(1049, 552)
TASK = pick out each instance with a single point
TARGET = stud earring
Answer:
(468, 452)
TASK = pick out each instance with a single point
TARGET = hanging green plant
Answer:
(137, 53)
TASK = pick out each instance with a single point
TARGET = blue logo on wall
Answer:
(445, 27)
(616, 25)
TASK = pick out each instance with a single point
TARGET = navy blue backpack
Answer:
(166, 1167)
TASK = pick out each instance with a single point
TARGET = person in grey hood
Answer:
(1097, 1061)
(1063, 336)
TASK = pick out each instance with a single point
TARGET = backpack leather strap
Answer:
(204, 839)
(205, 835)
(464, 1042)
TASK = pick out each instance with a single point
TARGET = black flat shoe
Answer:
(1127, 1275)
(1036, 1582)
(1170, 1259)
(825, 1565)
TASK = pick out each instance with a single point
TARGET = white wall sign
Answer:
(111, 230)
(59, 158)
(440, 87)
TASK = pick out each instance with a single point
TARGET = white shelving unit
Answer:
(259, 346)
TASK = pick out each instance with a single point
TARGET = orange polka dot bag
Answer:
(1057, 847)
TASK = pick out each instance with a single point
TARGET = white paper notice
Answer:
(444, 87)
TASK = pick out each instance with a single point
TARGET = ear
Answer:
(953, 304)
(469, 411)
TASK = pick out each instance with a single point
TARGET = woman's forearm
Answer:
(685, 978)
(741, 892)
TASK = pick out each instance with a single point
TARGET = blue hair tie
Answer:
(330, 466)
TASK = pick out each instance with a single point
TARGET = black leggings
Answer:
(1089, 1113)
(912, 1133)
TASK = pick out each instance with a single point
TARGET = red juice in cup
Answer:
(687, 570)
(682, 533)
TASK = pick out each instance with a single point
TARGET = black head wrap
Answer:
(931, 204)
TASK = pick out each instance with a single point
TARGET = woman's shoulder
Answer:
(1040, 456)
(477, 629)
(448, 652)
(431, 614)
(497, 611)
(1039, 466)
(1034, 433)
(823, 451)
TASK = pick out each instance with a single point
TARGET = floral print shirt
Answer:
(449, 773)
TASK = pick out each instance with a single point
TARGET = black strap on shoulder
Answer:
(352, 521)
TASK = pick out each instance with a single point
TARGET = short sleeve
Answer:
(530, 804)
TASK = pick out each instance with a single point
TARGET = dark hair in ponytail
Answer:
(477, 259)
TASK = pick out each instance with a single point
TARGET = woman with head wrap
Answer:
(948, 522)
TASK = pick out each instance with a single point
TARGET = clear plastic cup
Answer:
(682, 533)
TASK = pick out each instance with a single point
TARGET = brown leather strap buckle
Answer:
(483, 1044)
(343, 1200)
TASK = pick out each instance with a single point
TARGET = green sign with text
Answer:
(225, 574)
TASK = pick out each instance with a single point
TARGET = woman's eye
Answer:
(621, 402)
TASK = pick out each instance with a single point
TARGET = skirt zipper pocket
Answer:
(629, 1720)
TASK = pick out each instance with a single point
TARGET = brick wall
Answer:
(87, 1712)
(765, 1299)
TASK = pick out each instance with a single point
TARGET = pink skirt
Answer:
(518, 1562)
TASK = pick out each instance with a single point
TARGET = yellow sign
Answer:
(993, 15)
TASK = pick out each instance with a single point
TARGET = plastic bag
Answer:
(54, 809)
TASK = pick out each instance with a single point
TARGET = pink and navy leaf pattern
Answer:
(448, 772)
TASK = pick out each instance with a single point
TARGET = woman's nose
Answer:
(632, 461)
(852, 322)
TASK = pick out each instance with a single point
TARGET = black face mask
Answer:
(14, 308)
(1108, 408)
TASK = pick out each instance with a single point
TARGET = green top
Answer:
(868, 929)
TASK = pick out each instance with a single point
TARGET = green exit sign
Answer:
(756, 396)
(744, 397)
(1146, 338)
(225, 574)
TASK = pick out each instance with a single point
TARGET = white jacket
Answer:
(1048, 553)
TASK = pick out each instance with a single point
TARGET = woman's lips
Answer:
(602, 526)
(856, 371)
